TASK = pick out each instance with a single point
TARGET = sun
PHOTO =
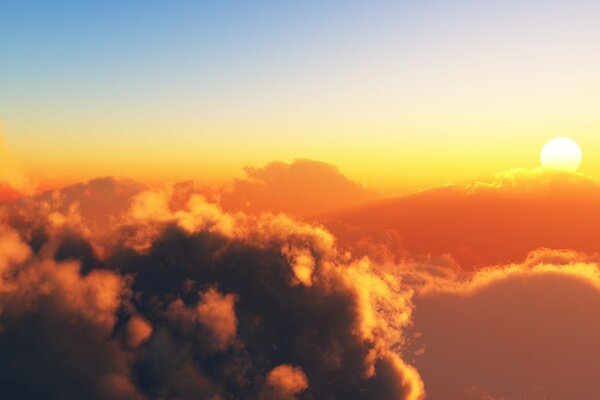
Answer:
(561, 153)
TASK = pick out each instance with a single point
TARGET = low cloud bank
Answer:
(193, 303)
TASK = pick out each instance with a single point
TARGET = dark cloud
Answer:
(194, 303)
(230, 311)
(56, 329)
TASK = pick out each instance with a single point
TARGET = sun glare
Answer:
(561, 153)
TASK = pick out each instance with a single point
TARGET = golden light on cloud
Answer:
(561, 153)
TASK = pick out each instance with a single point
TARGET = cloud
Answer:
(12, 251)
(217, 313)
(238, 292)
(138, 331)
(302, 188)
(484, 223)
(191, 301)
(213, 318)
(520, 331)
(56, 329)
(285, 382)
(100, 201)
(179, 298)
(105, 211)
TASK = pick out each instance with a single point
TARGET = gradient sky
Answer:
(399, 95)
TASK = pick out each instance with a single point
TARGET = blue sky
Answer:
(340, 81)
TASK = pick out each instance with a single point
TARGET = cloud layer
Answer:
(192, 303)
(483, 223)
(521, 331)
(114, 290)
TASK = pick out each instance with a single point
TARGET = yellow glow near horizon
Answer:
(561, 153)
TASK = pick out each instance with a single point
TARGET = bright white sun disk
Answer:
(561, 153)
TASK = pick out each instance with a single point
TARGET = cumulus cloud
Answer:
(190, 301)
(164, 294)
(284, 383)
(302, 188)
(56, 329)
(138, 331)
(258, 293)
(213, 318)
(217, 313)
(12, 251)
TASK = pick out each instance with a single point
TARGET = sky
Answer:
(399, 95)
(299, 200)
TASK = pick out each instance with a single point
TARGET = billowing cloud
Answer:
(302, 188)
(242, 294)
(217, 313)
(213, 318)
(56, 329)
(190, 301)
(284, 383)
(138, 331)
(436, 293)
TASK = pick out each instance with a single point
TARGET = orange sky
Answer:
(400, 97)
(385, 164)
